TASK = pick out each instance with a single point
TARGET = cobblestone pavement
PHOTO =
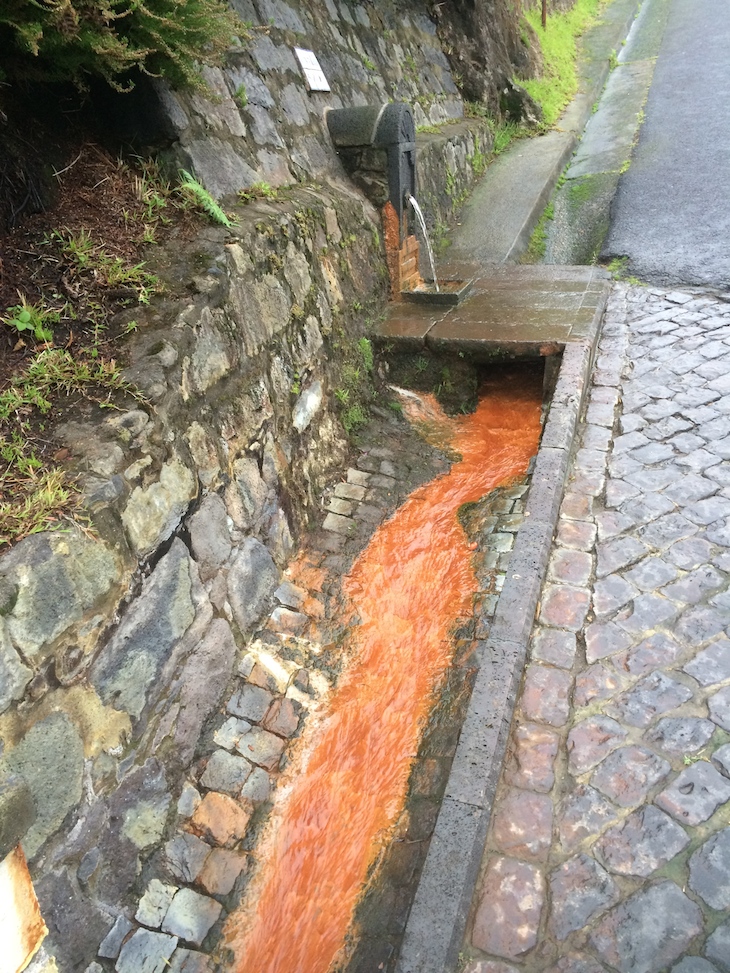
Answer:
(609, 844)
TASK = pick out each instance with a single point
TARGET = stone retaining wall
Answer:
(260, 122)
(120, 636)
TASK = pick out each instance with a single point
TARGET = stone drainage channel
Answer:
(348, 841)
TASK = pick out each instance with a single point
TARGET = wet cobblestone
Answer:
(635, 619)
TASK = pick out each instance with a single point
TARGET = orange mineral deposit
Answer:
(347, 784)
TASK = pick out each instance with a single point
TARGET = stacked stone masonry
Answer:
(609, 840)
(260, 122)
(120, 641)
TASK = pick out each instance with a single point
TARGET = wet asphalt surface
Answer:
(671, 214)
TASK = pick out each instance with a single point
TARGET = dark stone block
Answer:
(17, 813)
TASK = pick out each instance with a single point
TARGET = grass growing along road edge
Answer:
(558, 83)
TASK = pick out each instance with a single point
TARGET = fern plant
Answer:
(200, 196)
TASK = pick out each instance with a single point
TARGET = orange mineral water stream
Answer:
(347, 788)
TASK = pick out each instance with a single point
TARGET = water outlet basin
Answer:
(450, 292)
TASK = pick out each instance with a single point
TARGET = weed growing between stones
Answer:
(71, 284)
(538, 241)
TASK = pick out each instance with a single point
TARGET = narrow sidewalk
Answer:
(609, 842)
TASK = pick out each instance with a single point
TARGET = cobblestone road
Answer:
(609, 845)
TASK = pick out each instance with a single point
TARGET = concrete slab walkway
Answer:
(516, 311)
(609, 840)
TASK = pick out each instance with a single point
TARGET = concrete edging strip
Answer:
(437, 922)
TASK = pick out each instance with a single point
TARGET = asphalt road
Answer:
(671, 213)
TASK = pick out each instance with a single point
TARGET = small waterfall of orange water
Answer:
(345, 791)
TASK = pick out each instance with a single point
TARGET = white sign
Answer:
(313, 73)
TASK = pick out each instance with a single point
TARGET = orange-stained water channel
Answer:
(347, 784)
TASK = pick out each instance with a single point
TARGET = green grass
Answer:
(538, 241)
(559, 81)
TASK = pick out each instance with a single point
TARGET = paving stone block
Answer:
(189, 961)
(262, 748)
(654, 694)
(531, 754)
(522, 824)
(590, 484)
(250, 703)
(649, 612)
(700, 624)
(225, 772)
(287, 622)
(580, 890)
(154, 903)
(658, 650)
(351, 491)
(221, 869)
(649, 930)
(603, 639)
(509, 908)
(358, 477)
(695, 586)
(258, 786)
(611, 523)
(619, 492)
(651, 573)
(711, 665)
(612, 593)
(595, 683)
(699, 460)
(184, 856)
(228, 735)
(282, 717)
(546, 695)
(220, 820)
(591, 740)
(629, 441)
(619, 553)
(146, 952)
(647, 507)
(681, 734)
(564, 606)
(583, 814)
(577, 534)
(717, 947)
(666, 530)
(709, 870)
(719, 706)
(553, 646)
(290, 595)
(694, 964)
(337, 505)
(571, 567)
(339, 525)
(490, 966)
(627, 775)
(643, 842)
(708, 511)
(191, 916)
(112, 943)
(576, 506)
(696, 794)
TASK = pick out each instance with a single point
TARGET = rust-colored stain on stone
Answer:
(402, 260)
(22, 929)
(346, 785)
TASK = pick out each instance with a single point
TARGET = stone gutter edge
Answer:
(581, 108)
(436, 926)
